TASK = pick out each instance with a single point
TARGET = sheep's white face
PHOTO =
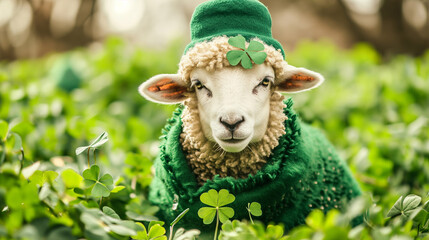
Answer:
(234, 104)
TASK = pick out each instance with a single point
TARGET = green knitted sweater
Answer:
(302, 173)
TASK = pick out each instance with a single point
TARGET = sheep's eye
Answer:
(265, 82)
(198, 85)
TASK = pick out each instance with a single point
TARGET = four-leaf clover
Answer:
(253, 52)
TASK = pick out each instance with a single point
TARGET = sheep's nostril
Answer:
(231, 125)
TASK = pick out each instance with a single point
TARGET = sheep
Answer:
(235, 131)
(236, 97)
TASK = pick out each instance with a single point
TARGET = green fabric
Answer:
(248, 18)
(303, 173)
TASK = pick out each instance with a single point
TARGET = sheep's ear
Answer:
(164, 88)
(298, 80)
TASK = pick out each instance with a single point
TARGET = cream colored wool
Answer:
(212, 55)
(207, 158)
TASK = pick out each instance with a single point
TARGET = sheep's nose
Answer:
(231, 123)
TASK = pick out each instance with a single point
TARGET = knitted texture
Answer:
(249, 18)
(207, 158)
(302, 173)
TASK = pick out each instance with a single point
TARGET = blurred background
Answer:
(33, 28)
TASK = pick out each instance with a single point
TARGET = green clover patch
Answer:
(254, 52)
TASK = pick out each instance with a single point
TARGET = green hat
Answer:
(248, 18)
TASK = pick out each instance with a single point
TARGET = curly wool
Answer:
(208, 159)
(211, 55)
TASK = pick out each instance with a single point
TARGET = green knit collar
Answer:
(182, 182)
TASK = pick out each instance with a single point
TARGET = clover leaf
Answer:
(156, 231)
(101, 186)
(100, 140)
(141, 210)
(216, 200)
(254, 52)
(110, 212)
(71, 178)
(405, 206)
(41, 177)
(207, 214)
(254, 209)
(100, 224)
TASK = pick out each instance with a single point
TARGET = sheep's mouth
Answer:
(233, 140)
(233, 144)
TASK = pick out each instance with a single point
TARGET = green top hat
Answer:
(248, 18)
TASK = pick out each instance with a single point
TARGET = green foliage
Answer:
(373, 110)
(71, 179)
(23, 203)
(105, 224)
(336, 225)
(255, 209)
(141, 211)
(237, 230)
(41, 178)
(421, 218)
(179, 217)
(100, 186)
(180, 233)
(377, 117)
(405, 206)
(156, 231)
(137, 167)
(4, 129)
(216, 200)
(100, 140)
